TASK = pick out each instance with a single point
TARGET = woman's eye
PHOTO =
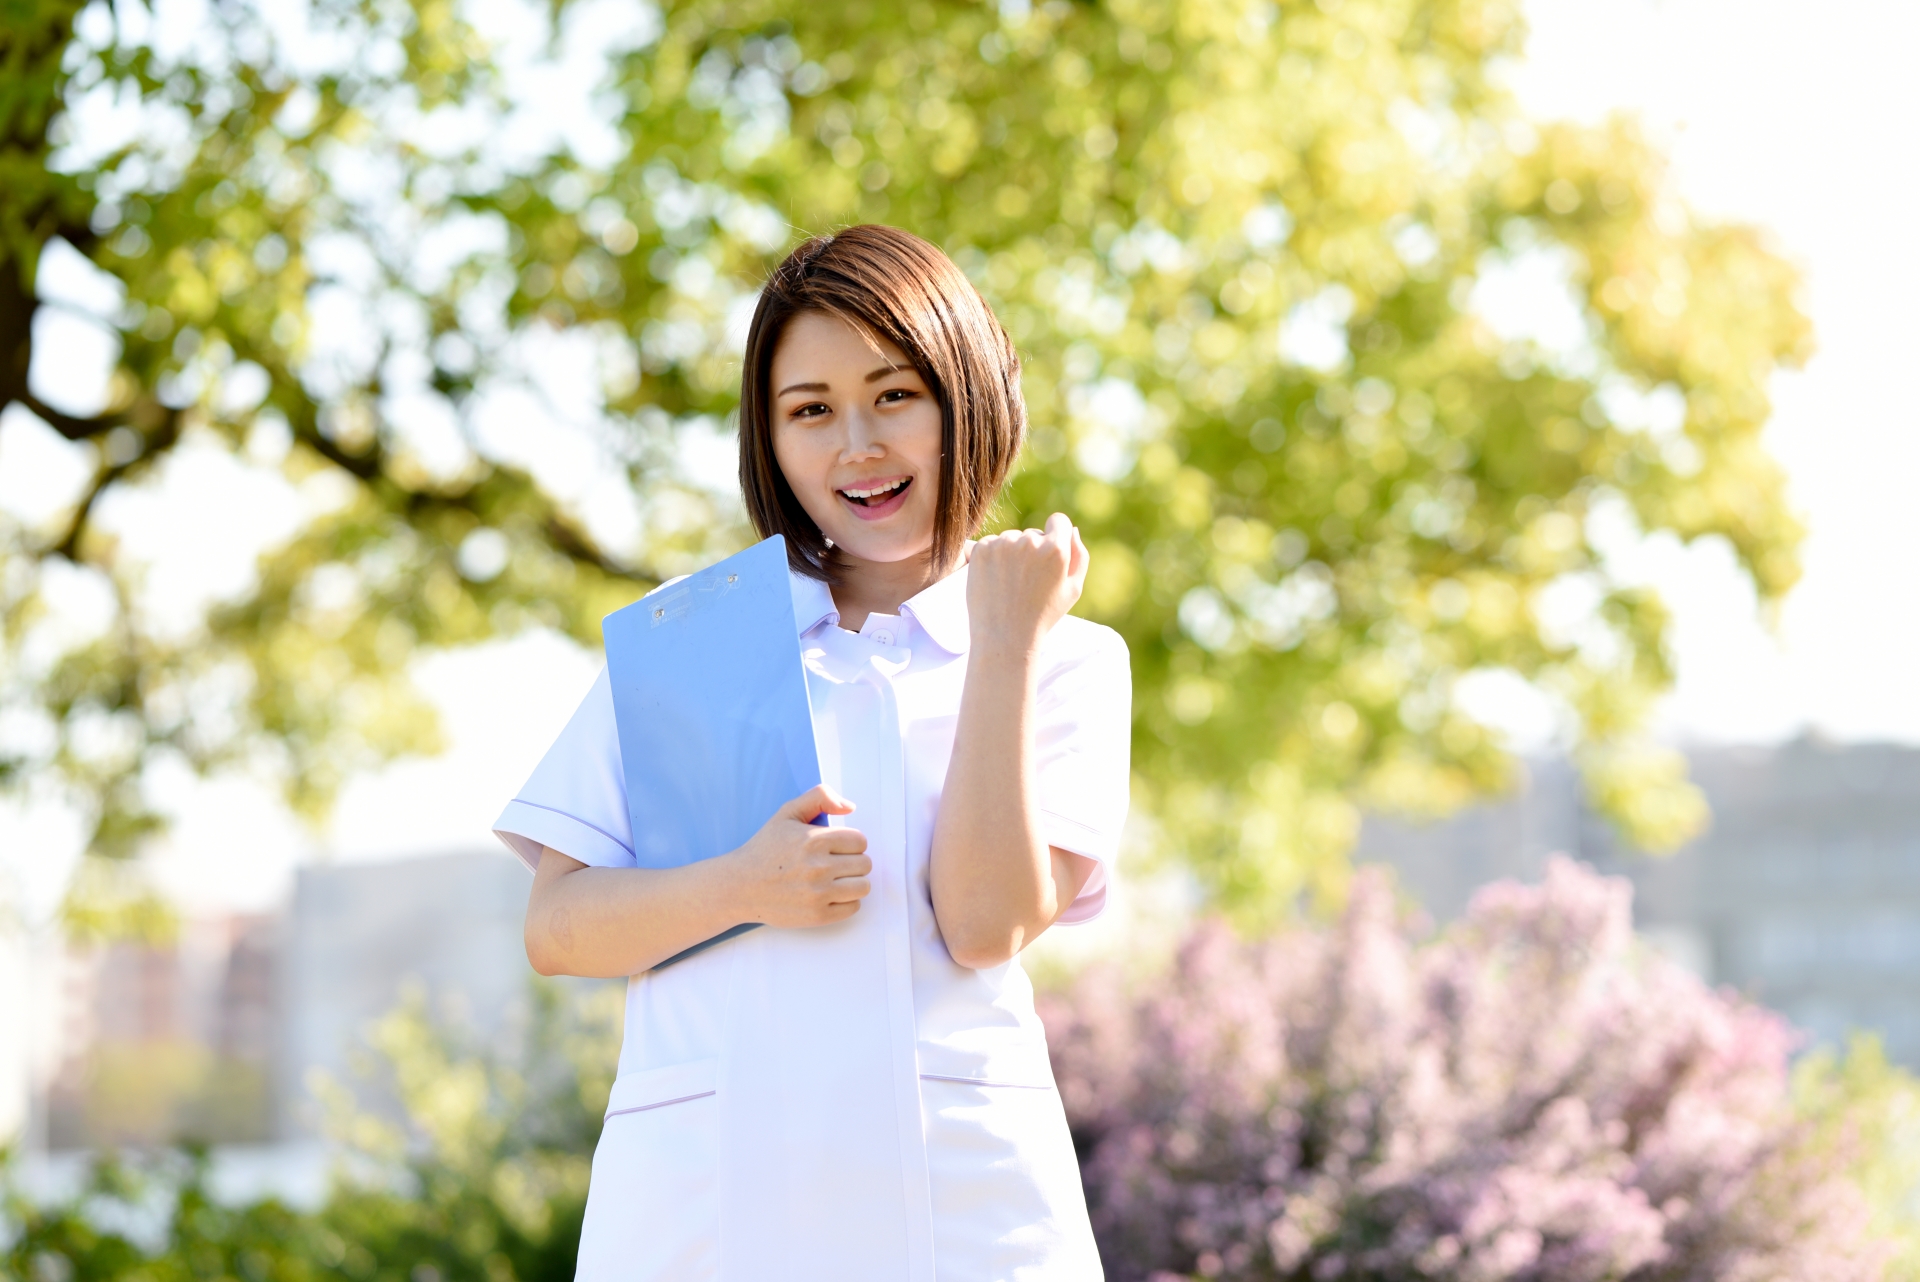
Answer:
(810, 411)
(893, 394)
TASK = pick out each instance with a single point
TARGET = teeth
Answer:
(867, 494)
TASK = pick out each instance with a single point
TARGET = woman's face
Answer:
(857, 434)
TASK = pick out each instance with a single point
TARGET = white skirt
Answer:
(1007, 1202)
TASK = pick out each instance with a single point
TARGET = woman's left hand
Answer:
(1020, 583)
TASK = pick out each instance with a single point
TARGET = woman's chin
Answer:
(875, 547)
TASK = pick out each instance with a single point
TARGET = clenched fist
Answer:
(1020, 583)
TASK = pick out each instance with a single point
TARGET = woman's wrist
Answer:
(731, 890)
(1004, 645)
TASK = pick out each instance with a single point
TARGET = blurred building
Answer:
(358, 936)
(157, 1040)
(1805, 894)
(217, 1034)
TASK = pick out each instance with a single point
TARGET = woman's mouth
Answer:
(872, 500)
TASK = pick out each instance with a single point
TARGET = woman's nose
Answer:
(863, 436)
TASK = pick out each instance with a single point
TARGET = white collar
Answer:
(940, 608)
(941, 611)
(812, 602)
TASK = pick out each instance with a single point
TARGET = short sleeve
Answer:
(576, 799)
(1084, 715)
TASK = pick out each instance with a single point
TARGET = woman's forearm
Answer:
(603, 922)
(996, 884)
(608, 922)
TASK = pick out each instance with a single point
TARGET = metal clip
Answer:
(671, 603)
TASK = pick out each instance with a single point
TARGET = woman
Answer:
(860, 1091)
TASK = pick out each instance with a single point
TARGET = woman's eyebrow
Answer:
(885, 370)
(803, 387)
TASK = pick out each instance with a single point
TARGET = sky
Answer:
(1798, 118)
(1773, 112)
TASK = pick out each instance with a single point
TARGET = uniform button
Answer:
(884, 638)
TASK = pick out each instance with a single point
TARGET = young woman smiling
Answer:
(862, 1091)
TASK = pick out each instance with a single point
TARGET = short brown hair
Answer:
(891, 284)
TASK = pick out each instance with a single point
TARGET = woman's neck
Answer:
(878, 587)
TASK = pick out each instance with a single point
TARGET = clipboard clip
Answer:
(674, 600)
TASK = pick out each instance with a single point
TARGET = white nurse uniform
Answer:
(845, 1103)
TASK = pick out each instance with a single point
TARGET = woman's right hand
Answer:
(795, 873)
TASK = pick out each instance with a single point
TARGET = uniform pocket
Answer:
(653, 1206)
(1026, 1067)
(1000, 1080)
(652, 1088)
(1004, 1183)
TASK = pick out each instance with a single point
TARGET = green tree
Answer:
(1253, 254)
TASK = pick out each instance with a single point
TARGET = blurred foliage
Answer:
(1858, 1100)
(404, 260)
(97, 1236)
(484, 1180)
(466, 1160)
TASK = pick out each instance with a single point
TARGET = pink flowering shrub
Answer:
(1531, 1096)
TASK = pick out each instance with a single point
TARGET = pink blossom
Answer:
(1528, 1097)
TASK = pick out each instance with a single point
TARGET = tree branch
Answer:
(68, 425)
(573, 542)
(367, 467)
(151, 443)
(563, 535)
(370, 467)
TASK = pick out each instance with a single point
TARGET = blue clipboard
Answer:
(710, 704)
